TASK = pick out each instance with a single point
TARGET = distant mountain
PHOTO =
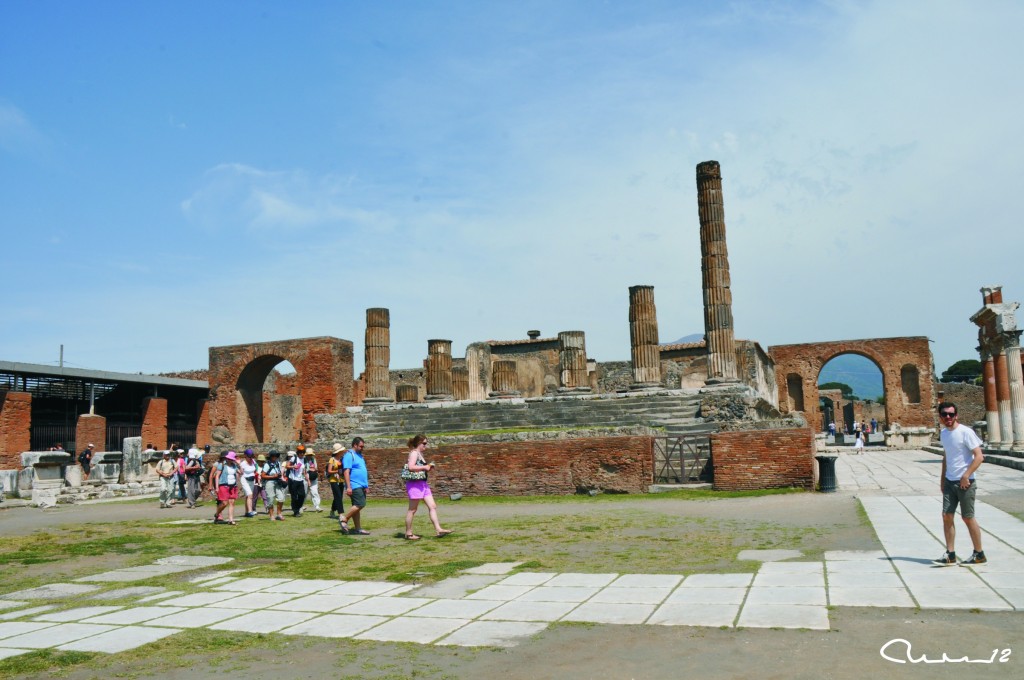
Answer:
(858, 372)
(692, 337)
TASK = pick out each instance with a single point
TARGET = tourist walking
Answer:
(248, 469)
(166, 470)
(417, 488)
(858, 446)
(274, 485)
(193, 477)
(335, 479)
(313, 475)
(227, 487)
(261, 491)
(357, 481)
(297, 481)
(179, 477)
(962, 458)
(85, 460)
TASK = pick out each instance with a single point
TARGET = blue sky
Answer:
(177, 175)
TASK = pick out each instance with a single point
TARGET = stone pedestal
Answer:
(504, 380)
(439, 370)
(714, 266)
(407, 394)
(643, 339)
(460, 383)
(378, 356)
(572, 361)
(106, 467)
(47, 474)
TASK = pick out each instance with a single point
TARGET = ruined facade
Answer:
(999, 347)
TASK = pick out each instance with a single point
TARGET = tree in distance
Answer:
(845, 389)
(963, 371)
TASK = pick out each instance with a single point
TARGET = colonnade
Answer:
(999, 348)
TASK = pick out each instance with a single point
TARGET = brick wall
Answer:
(91, 429)
(203, 423)
(558, 467)
(763, 459)
(154, 422)
(15, 424)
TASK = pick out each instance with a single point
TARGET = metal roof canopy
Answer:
(22, 369)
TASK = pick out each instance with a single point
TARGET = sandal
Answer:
(233, 523)
(344, 526)
(412, 537)
(360, 532)
(444, 532)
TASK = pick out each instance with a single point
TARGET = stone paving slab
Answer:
(262, 622)
(860, 567)
(558, 594)
(55, 635)
(194, 561)
(384, 606)
(219, 581)
(119, 640)
(675, 614)
(978, 597)
(211, 576)
(307, 586)
(493, 568)
(248, 585)
(9, 604)
(527, 578)
(789, 579)
(786, 616)
(869, 597)
(251, 601)
(529, 611)
(7, 653)
(335, 625)
(457, 586)
(318, 603)
(855, 555)
(493, 633)
(161, 596)
(581, 580)
(810, 568)
(53, 591)
(734, 596)
(195, 618)
(604, 612)
(130, 592)
(785, 595)
(203, 599)
(646, 581)
(845, 579)
(423, 631)
(455, 609)
(503, 593)
(135, 615)
(7, 616)
(14, 628)
(613, 595)
(768, 555)
(362, 588)
(717, 581)
(76, 614)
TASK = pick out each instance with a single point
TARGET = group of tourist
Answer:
(268, 479)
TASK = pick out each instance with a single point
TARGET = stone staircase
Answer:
(675, 411)
(1010, 459)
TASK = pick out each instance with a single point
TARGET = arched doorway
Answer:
(269, 401)
(855, 387)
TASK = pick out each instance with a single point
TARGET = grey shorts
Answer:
(953, 495)
(275, 491)
(359, 497)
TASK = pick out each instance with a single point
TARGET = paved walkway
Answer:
(496, 605)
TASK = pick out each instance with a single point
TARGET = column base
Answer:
(375, 401)
(722, 381)
(504, 395)
(574, 390)
(439, 397)
(645, 387)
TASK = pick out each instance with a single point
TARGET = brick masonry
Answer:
(203, 423)
(763, 459)
(610, 464)
(154, 422)
(15, 428)
(91, 429)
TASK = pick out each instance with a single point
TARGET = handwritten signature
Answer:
(1003, 655)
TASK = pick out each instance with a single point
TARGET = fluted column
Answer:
(439, 369)
(504, 380)
(572, 361)
(643, 338)
(1016, 380)
(1003, 397)
(988, 373)
(714, 265)
(406, 393)
(460, 383)
(378, 356)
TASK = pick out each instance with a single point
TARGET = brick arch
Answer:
(324, 374)
(891, 355)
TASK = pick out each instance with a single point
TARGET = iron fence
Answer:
(682, 460)
(116, 433)
(185, 436)
(45, 436)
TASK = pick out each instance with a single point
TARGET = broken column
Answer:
(378, 356)
(504, 380)
(572, 361)
(460, 383)
(439, 370)
(643, 338)
(714, 265)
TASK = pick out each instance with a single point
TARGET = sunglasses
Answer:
(948, 414)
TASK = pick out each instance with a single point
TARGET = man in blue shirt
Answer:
(357, 480)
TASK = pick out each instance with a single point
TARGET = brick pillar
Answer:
(460, 383)
(643, 338)
(1016, 380)
(15, 428)
(988, 373)
(154, 422)
(572, 361)
(407, 393)
(203, 426)
(1003, 398)
(504, 380)
(378, 356)
(91, 429)
(439, 370)
(714, 266)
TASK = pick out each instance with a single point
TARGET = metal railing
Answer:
(682, 460)
(45, 436)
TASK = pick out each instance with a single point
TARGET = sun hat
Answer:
(274, 454)
(300, 447)
(232, 455)
(181, 451)
(167, 452)
(291, 454)
(337, 447)
(261, 458)
(250, 452)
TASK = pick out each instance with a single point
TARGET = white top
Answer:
(295, 474)
(248, 469)
(959, 444)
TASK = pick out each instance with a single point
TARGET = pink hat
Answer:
(231, 455)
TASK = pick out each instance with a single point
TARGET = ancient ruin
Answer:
(999, 348)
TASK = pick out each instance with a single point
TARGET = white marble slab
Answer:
(423, 631)
(335, 625)
(119, 640)
(493, 633)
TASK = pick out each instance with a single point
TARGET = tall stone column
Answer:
(460, 383)
(1003, 397)
(988, 373)
(643, 338)
(1016, 380)
(439, 370)
(572, 361)
(504, 380)
(714, 266)
(378, 356)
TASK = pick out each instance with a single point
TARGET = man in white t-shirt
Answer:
(962, 458)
